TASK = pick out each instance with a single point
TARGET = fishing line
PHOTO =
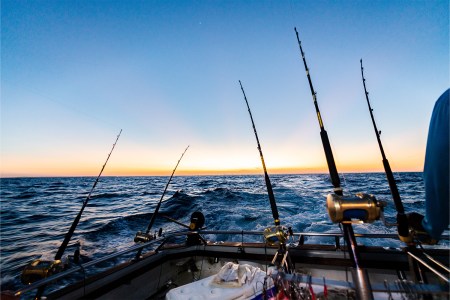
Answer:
(84, 279)
(159, 278)
(344, 178)
(203, 259)
(344, 251)
(292, 13)
(39, 94)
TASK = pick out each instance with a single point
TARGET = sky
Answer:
(74, 73)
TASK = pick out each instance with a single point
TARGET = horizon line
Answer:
(189, 173)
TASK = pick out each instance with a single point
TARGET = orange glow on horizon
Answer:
(199, 172)
(198, 164)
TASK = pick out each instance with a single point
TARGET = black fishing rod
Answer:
(175, 221)
(273, 204)
(323, 133)
(152, 220)
(69, 234)
(145, 237)
(273, 235)
(360, 276)
(47, 268)
(402, 221)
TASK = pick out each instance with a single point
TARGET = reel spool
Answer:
(142, 237)
(274, 236)
(363, 208)
(40, 269)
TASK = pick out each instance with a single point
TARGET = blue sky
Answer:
(166, 72)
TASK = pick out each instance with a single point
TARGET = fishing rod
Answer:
(323, 133)
(175, 221)
(69, 234)
(402, 221)
(145, 237)
(340, 210)
(273, 235)
(39, 269)
(273, 204)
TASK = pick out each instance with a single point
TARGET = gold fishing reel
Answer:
(40, 269)
(276, 235)
(363, 208)
(142, 237)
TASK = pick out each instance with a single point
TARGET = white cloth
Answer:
(233, 281)
(234, 275)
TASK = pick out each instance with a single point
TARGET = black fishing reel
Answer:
(40, 269)
(197, 221)
(276, 235)
(363, 208)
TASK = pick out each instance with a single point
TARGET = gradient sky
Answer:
(73, 73)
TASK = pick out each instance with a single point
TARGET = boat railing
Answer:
(84, 266)
(433, 265)
(158, 242)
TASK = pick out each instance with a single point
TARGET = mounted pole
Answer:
(323, 133)
(152, 220)
(273, 235)
(273, 204)
(72, 228)
(360, 276)
(140, 237)
(69, 234)
(402, 221)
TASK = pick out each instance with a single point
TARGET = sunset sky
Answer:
(73, 73)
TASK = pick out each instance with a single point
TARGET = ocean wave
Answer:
(36, 213)
(109, 196)
(26, 195)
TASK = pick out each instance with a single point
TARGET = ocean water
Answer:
(37, 212)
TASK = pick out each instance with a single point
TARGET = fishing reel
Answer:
(40, 269)
(274, 236)
(143, 237)
(363, 208)
(197, 222)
